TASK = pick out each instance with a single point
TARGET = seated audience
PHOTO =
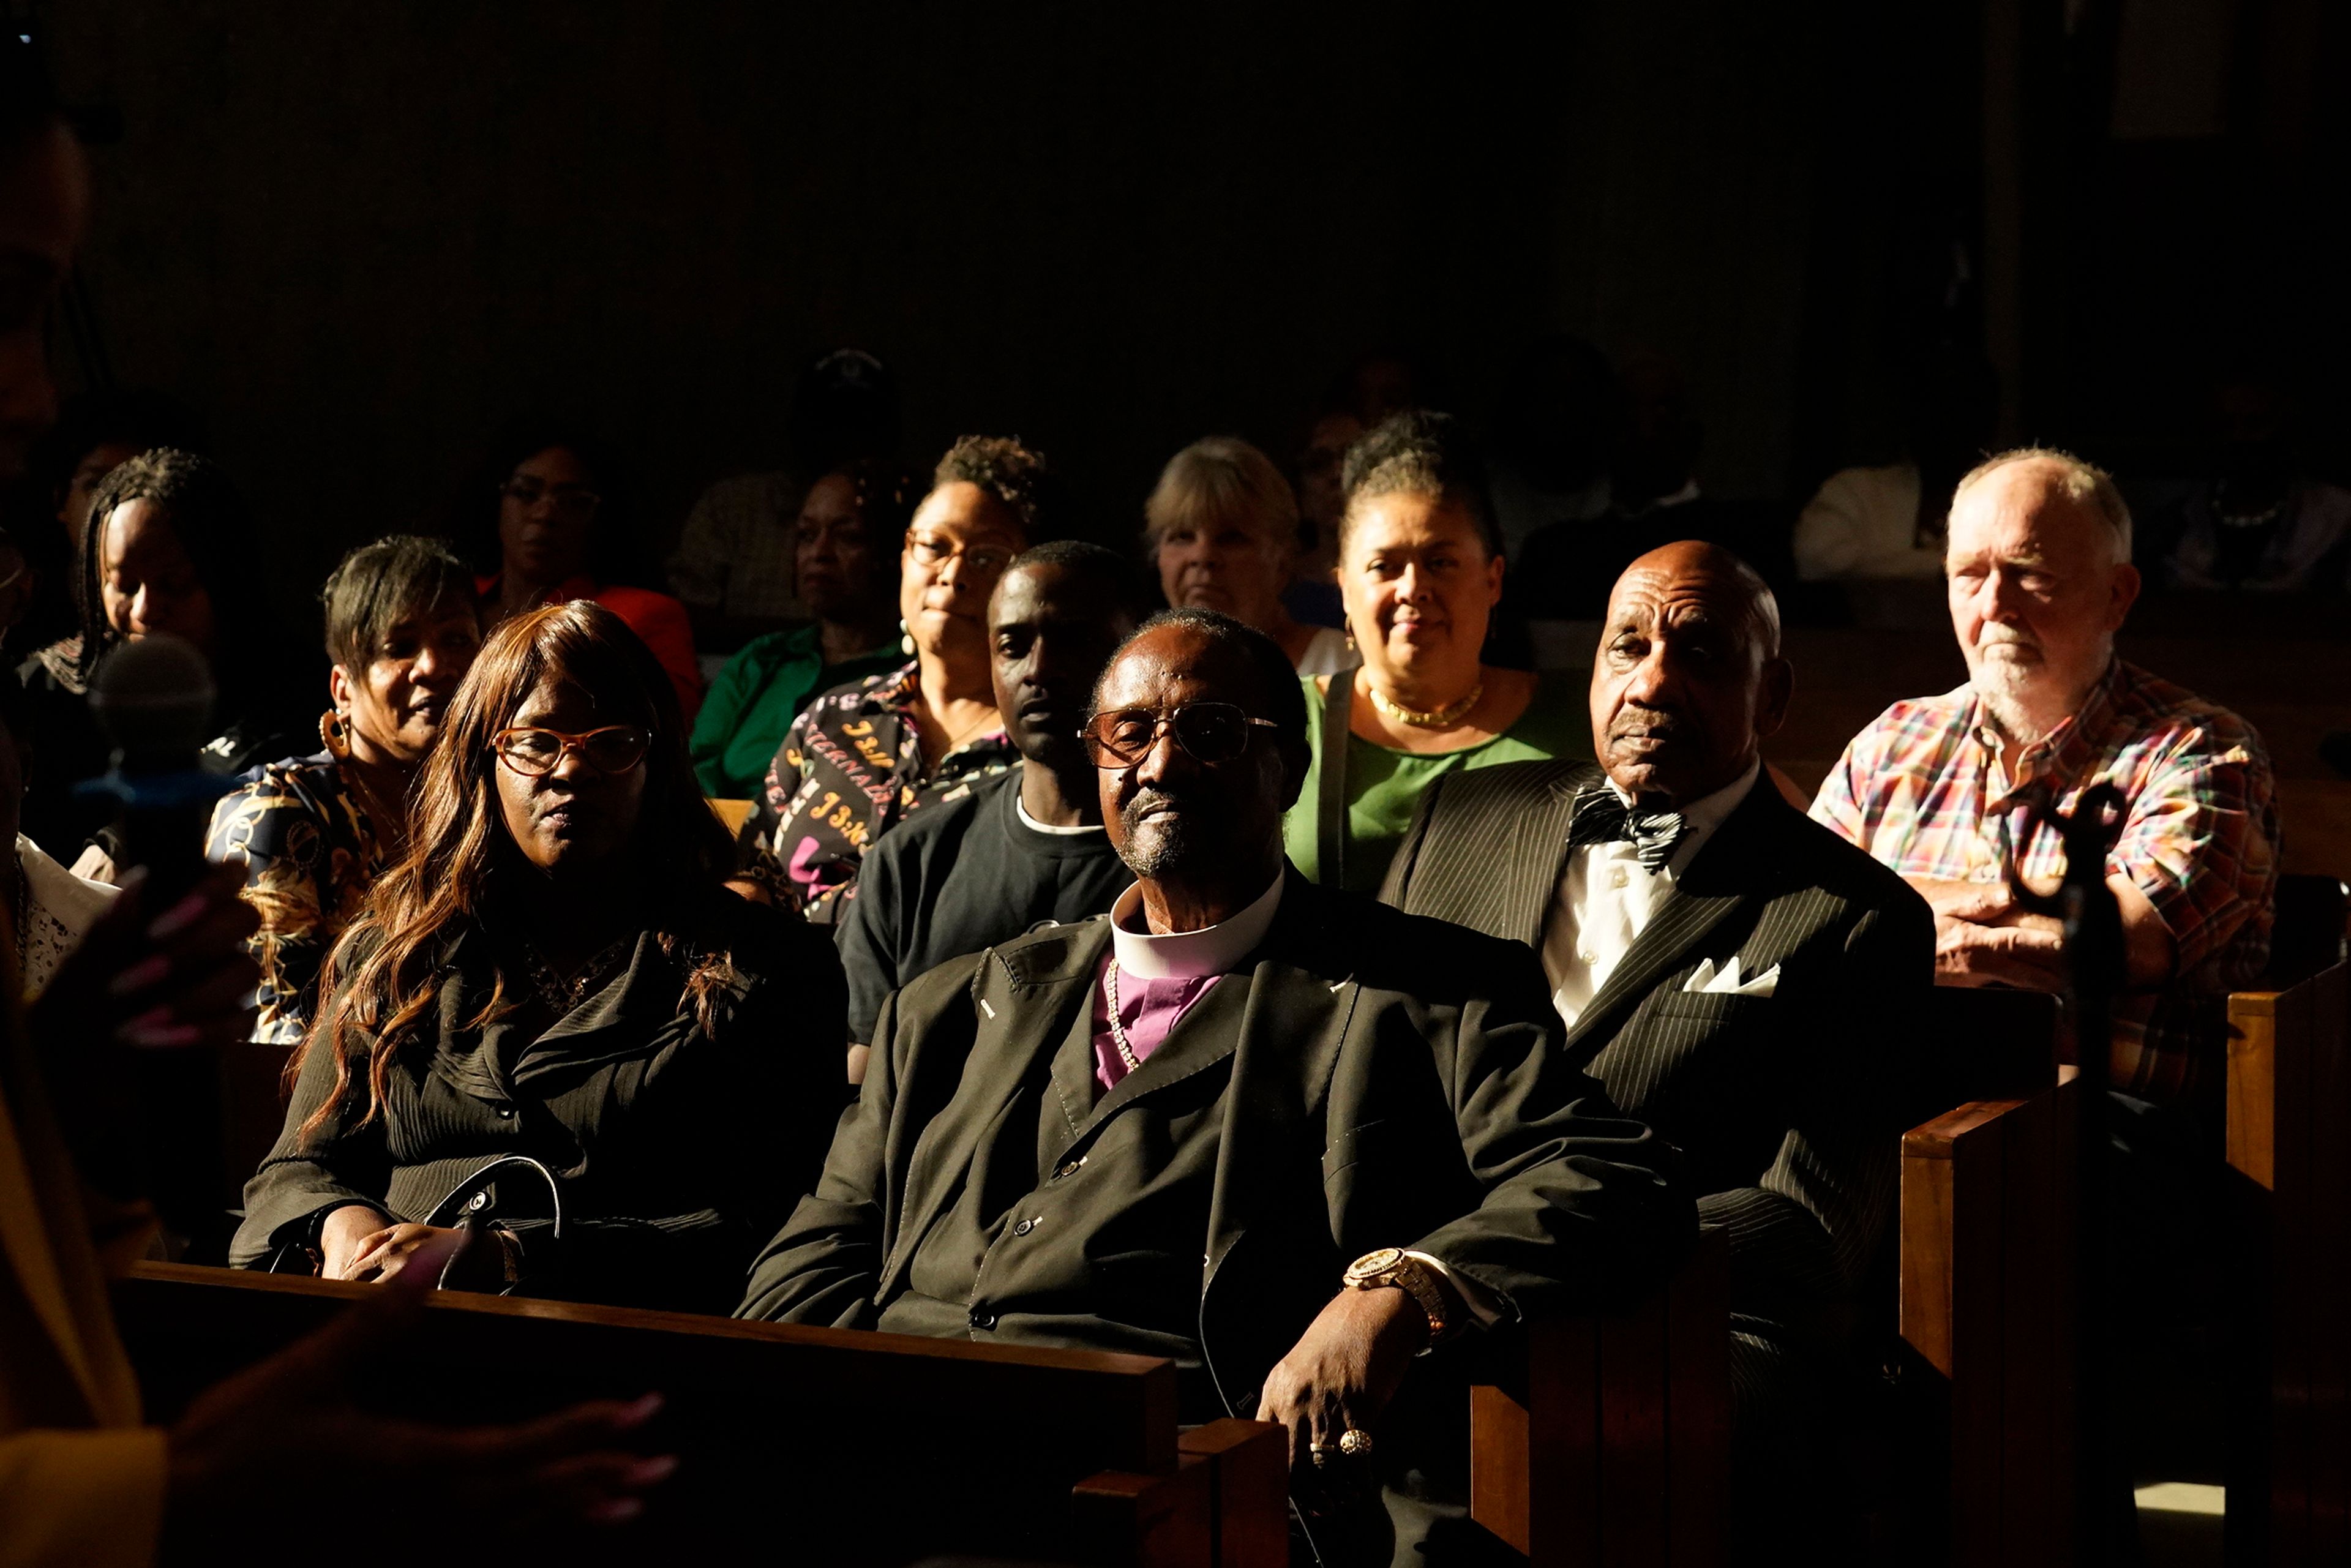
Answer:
(1113, 1113)
(315, 833)
(863, 757)
(1420, 568)
(849, 581)
(1731, 971)
(1021, 850)
(83, 1480)
(1553, 430)
(1887, 521)
(1566, 570)
(2261, 520)
(169, 548)
(2040, 581)
(559, 536)
(553, 973)
(1222, 525)
(734, 565)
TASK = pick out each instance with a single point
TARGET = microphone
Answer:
(154, 697)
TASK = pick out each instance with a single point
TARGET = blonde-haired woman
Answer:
(1222, 527)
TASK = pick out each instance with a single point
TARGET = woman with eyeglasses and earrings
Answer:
(554, 975)
(864, 754)
(1420, 571)
(317, 832)
(563, 530)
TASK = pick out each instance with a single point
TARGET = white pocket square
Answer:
(1727, 983)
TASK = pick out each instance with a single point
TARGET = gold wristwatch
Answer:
(1393, 1266)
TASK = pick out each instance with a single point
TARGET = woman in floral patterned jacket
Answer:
(317, 832)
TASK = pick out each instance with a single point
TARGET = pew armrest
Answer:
(1609, 1441)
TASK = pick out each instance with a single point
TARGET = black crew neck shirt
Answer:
(959, 876)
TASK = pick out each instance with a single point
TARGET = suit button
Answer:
(981, 1320)
(505, 1110)
(1024, 1227)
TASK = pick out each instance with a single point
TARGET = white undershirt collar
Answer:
(1034, 826)
(1216, 949)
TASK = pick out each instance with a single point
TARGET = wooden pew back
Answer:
(1609, 1442)
(2289, 1147)
(1988, 1265)
(816, 1444)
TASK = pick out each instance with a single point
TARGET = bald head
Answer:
(2044, 478)
(1688, 680)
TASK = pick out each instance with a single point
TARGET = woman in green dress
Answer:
(1420, 571)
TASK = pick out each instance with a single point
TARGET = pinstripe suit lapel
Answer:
(1536, 855)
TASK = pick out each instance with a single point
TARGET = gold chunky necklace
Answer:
(1438, 718)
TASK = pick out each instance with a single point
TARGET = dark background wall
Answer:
(357, 235)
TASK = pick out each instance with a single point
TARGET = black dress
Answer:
(675, 1152)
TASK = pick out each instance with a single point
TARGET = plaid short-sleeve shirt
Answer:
(1923, 790)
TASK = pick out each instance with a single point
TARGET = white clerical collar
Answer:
(1702, 816)
(1034, 826)
(1216, 949)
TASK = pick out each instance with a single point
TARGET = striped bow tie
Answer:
(1601, 818)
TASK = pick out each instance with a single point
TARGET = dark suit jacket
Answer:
(1786, 1106)
(1392, 1082)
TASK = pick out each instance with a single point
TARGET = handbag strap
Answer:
(1330, 783)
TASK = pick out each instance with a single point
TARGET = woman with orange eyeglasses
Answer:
(864, 754)
(552, 1025)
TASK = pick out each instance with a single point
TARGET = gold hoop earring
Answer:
(335, 734)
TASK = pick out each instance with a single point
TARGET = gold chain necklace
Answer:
(1118, 1030)
(1438, 719)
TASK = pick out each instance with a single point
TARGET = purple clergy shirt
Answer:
(1160, 977)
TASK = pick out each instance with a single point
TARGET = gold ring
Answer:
(1319, 1453)
(1355, 1443)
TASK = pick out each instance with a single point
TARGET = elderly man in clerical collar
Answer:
(2039, 563)
(1278, 1134)
(1732, 972)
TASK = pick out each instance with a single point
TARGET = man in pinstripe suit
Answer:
(1734, 974)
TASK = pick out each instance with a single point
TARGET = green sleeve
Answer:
(1298, 835)
(722, 707)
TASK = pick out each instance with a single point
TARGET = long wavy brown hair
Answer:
(384, 974)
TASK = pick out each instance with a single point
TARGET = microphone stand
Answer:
(2093, 922)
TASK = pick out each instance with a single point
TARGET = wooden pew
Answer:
(1607, 1439)
(1988, 1270)
(2289, 1150)
(813, 1445)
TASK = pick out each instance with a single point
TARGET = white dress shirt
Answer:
(1607, 897)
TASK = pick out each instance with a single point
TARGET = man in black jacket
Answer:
(1278, 1134)
(1023, 850)
(1733, 973)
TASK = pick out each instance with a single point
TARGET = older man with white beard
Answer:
(2038, 564)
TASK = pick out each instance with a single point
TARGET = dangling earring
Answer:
(905, 640)
(336, 735)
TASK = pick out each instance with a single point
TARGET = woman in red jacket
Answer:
(561, 535)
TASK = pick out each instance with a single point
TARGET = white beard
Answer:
(2025, 702)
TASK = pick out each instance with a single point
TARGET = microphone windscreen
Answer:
(153, 696)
